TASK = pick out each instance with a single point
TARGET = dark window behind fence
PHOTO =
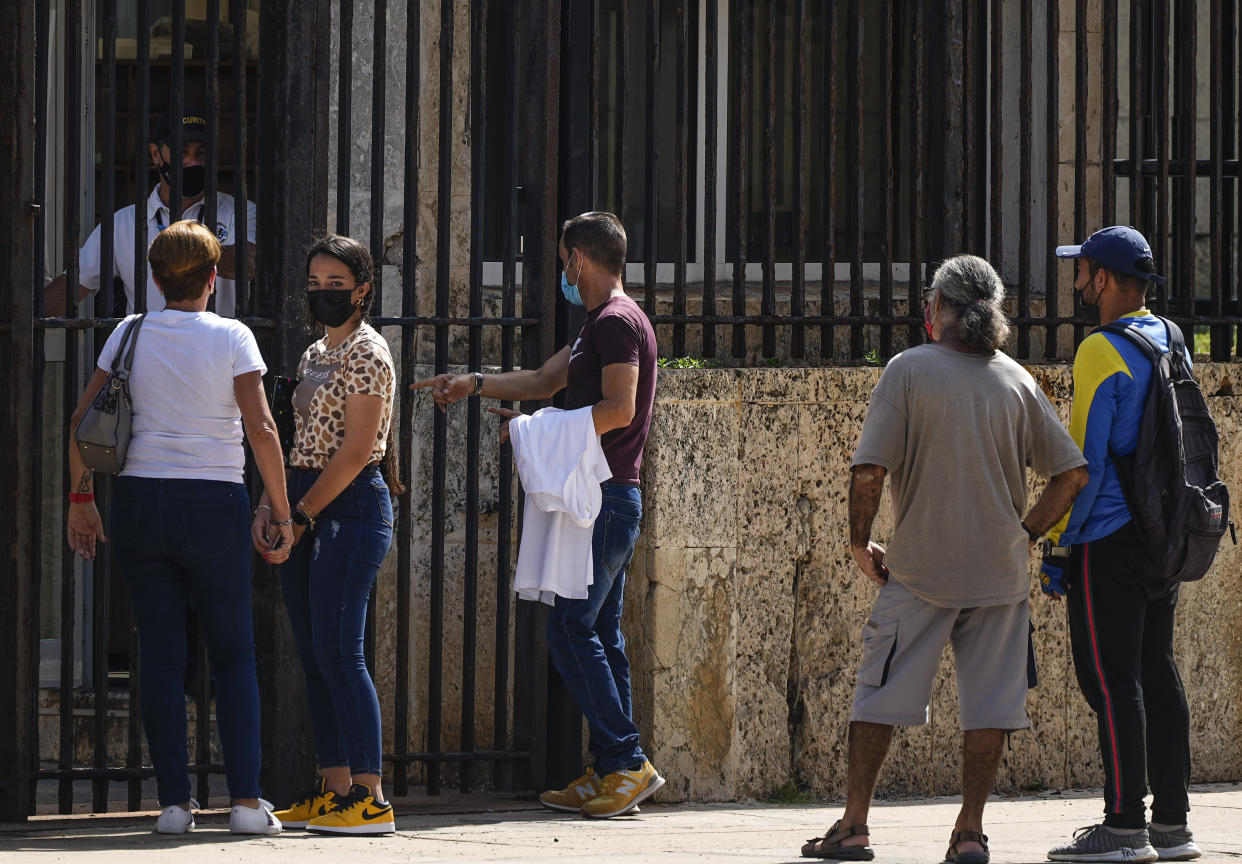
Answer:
(789, 171)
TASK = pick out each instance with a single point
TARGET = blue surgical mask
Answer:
(571, 291)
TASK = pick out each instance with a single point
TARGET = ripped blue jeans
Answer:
(327, 582)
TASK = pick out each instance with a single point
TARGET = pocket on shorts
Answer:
(879, 645)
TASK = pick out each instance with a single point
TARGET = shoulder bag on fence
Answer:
(103, 434)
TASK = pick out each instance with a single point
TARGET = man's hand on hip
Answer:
(870, 560)
(508, 414)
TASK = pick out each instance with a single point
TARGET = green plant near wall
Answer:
(685, 363)
(789, 795)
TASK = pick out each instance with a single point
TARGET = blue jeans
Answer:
(327, 582)
(177, 537)
(585, 640)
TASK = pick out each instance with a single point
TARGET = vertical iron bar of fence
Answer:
(917, 131)
(21, 286)
(344, 118)
(1024, 179)
(1137, 17)
(797, 293)
(680, 179)
(1229, 141)
(1161, 247)
(1081, 95)
(100, 583)
(1052, 83)
(502, 771)
(623, 95)
(970, 37)
(176, 111)
(1187, 84)
(379, 107)
(650, 227)
(854, 127)
(997, 75)
(444, 193)
(1108, 96)
(711, 73)
(470, 592)
(1234, 149)
(1219, 335)
(142, 158)
(72, 236)
(767, 304)
(213, 125)
(409, 308)
(741, 134)
(827, 293)
(594, 182)
(244, 294)
(886, 201)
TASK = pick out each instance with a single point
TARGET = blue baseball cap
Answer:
(1118, 248)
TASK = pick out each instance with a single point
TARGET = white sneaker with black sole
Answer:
(1175, 845)
(1100, 843)
(175, 820)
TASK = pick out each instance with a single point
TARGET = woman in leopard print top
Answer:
(343, 522)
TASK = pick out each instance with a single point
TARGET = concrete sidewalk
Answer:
(472, 828)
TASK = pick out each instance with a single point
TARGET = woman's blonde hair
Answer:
(181, 258)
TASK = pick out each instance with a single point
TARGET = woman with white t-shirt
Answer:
(181, 517)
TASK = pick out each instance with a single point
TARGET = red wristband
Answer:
(81, 497)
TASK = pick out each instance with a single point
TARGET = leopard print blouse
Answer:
(361, 365)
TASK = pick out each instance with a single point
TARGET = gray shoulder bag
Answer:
(103, 434)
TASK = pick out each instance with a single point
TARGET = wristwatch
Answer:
(478, 384)
(300, 518)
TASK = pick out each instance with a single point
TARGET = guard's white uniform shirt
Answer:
(157, 220)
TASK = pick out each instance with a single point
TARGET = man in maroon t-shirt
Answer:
(611, 365)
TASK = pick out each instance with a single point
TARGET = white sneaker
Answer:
(174, 820)
(254, 820)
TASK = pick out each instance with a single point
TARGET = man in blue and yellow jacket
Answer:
(1120, 609)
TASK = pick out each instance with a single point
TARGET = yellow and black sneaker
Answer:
(572, 797)
(357, 813)
(317, 802)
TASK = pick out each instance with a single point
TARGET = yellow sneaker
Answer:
(356, 813)
(622, 791)
(572, 797)
(317, 802)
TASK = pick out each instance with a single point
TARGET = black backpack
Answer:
(1175, 497)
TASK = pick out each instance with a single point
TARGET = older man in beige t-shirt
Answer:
(955, 424)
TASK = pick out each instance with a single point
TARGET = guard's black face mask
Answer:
(193, 178)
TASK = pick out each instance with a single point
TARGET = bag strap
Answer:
(1150, 347)
(121, 367)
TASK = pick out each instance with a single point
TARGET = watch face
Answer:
(300, 518)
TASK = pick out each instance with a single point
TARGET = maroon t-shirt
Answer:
(616, 331)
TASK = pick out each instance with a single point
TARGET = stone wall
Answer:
(744, 605)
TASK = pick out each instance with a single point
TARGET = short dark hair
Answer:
(1125, 280)
(181, 258)
(352, 254)
(600, 236)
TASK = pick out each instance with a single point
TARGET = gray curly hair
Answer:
(972, 288)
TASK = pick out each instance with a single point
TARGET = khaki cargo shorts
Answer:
(903, 641)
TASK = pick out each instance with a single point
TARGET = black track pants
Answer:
(1121, 629)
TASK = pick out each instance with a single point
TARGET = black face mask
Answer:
(1086, 310)
(331, 307)
(193, 179)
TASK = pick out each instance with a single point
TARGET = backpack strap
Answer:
(1150, 347)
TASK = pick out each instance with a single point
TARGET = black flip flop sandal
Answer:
(975, 857)
(829, 846)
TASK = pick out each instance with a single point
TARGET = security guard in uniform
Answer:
(194, 150)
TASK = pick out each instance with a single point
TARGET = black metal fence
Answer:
(789, 172)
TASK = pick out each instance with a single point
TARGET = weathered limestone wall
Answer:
(744, 607)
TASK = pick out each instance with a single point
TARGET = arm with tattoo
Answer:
(866, 485)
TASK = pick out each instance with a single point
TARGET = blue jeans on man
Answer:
(585, 639)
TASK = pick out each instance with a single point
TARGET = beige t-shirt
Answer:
(361, 365)
(956, 433)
